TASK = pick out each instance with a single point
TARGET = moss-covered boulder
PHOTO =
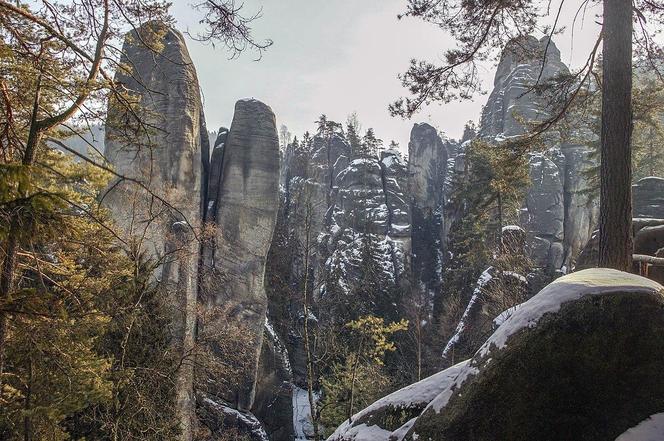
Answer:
(378, 421)
(581, 360)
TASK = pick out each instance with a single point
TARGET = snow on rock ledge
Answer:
(384, 419)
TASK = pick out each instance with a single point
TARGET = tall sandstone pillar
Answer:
(243, 199)
(154, 135)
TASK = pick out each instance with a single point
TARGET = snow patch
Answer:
(595, 281)
(416, 394)
(302, 425)
(401, 432)
(651, 429)
(466, 370)
(362, 432)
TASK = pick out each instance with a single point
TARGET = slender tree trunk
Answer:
(500, 222)
(419, 349)
(8, 274)
(615, 220)
(353, 377)
(27, 419)
(307, 346)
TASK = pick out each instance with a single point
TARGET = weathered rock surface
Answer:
(274, 388)
(558, 213)
(164, 211)
(580, 360)
(337, 203)
(221, 420)
(428, 167)
(243, 205)
(394, 413)
(368, 201)
(647, 226)
(648, 194)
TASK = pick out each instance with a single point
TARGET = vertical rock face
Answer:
(648, 196)
(368, 203)
(349, 204)
(511, 104)
(558, 213)
(242, 205)
(427, 169)
(158, 142)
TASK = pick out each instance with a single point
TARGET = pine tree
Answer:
(370, 145)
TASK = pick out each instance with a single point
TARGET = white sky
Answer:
(337, 57)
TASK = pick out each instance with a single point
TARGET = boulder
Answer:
(221, 421)
(648, 196)
(648, 240)
(397, 410)
(580, 360)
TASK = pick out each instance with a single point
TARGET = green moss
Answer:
(589, 372)
(391, 417)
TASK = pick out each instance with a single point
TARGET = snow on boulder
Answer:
(651, 429)
(580, 360)
(218, 417)
(384, 418)
(596, 281)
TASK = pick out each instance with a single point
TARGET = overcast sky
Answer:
(337, 57)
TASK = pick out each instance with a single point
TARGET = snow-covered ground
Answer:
(302, 426)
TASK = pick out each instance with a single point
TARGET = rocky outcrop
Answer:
(505, 393)
(648, 194)
(368, 203)
(647, 227)
(242, 203)
(222, 421)
(558, 212)
(543, 372)
(428, 167)
(274, 388)
(186, 195)
(391, 416)
(347, 208)
(155, 135)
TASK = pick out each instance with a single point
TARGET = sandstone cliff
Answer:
(558, 214)
(155, 136)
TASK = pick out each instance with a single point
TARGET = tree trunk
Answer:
(8, 273)
(307, 344)
(615, 221)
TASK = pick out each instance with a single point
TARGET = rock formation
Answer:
(558, 214)
(648, 194)
(155, 137)
(242, 206)
(207, 216)
(341, 205)
(384, 418)
(543, 372)
(427, 168)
